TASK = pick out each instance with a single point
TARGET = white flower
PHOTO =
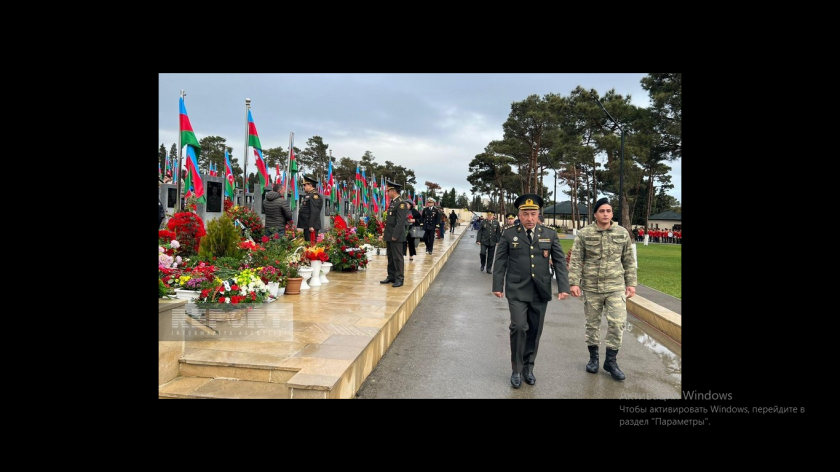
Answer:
(227, 300)
(178, 258)
(174, 244)
(161, 249)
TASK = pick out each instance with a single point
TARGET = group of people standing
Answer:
(278, 211)
(601, 270)
(656, 235)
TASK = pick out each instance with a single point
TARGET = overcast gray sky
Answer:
(434, 124)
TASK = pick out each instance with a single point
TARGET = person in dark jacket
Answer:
(431, 222)
(488, 235)
(309, 215)
(394, 235)
(453, 218)
(520, 273)
(277, 212)
(161, 210)
(414, 219)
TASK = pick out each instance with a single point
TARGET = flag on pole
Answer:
(188, 139)
(254, 141)
(293, 176)
(331, 185)
(229, 182)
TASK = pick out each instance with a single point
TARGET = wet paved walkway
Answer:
(456, 345)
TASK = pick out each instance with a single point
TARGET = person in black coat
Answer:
(521, 273)
(414, 220)
(309, 215)
(431, 221)
(277, 212)
(161, 210)
(394, 235)
(453, 218)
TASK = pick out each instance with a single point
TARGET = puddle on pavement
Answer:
(668, 350)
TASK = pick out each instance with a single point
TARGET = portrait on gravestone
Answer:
(214, 197)
(171, 197)
(346, 207)
(265, 189)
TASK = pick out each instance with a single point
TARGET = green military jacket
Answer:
(602, 259)
(395, 221)
(489, 232)
(522, 268)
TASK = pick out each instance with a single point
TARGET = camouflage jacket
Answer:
(602, 259)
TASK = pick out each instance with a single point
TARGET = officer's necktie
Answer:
(530, 241)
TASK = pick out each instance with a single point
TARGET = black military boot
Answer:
(483, 260)
(592, 366)
(611, 366)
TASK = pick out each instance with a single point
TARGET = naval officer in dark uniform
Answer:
(394, 235)
(309, 216)
(520, 272)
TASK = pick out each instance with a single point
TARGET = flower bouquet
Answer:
(250, 220)
(245, 287)
(316, 253)
(344, 250)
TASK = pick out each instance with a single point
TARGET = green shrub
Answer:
(221, 240)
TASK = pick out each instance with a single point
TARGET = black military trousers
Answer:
(526, 324)
(396, 261)
(488, 252)
(429, 239)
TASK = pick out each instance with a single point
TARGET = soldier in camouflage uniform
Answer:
(488, 235)
(603, 266)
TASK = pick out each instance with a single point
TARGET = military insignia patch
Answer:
(516, 238)
(545, 240)
(315, 197)
(545, 253)
(402, 206)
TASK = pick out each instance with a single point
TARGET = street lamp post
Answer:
(621, 164)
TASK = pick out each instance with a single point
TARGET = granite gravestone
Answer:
(214, 197)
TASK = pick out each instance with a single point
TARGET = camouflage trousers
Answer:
(613, 305)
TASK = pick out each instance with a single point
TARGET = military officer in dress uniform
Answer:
(431, 222)
(309, 216)
(520, 272)
(394, 235)
(510, 221)
(488, 235)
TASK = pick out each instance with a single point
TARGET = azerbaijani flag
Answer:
(229, 182)
(193, 181)
(293, 176)
(189, 140)
(187, 134)
(254, 141)
(331, 185)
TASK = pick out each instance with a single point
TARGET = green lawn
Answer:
(660, 266)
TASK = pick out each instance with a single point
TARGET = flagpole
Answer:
(180, 158)
(245, 168)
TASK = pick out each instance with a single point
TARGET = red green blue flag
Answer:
(188, 139)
